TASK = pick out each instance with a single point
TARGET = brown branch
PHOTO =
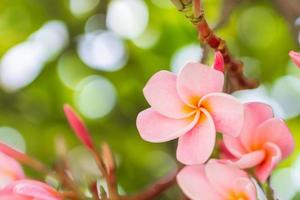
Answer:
(233, 67)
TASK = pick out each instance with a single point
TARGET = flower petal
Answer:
(154, 127)
(12, 197)
(223, 176)
(234, 146)
(196, 146)
(161, 94)
(275, 131)
(250, 160)
(274, 155)
(10, 170)
(37, 190)
(196, 80)
(255, 114)
(246, 186)
(295, 56)
(194, 183)
(31, 189)
(226, 111)
(225, 154)
(10, 165)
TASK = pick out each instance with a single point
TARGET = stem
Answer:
(24, 159)
(110, 167)
(94, 190)
(61, 169)
(233, 67)
(269, 191)
(110, 180)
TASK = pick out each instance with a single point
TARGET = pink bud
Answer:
(219, 61)
(78, 126)
(29, 190)
(295, 56)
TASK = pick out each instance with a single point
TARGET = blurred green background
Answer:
(98, 54)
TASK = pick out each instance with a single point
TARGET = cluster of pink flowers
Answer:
(191, 106)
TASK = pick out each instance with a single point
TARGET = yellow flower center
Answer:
(237, 196)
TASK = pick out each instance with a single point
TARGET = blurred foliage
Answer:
(254, 30)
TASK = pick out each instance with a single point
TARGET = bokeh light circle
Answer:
(102, 50)
(164, 4)
(279, 180)
(260, 94)
(21, 64)
(95, 96)
(53, 36)
(148, 39)
(189, 53)
(82, 7)
(13, 138)
(257, 27)
(71, 70)
(127, 18)
(95, 23)
(286, 92)
(82, 164)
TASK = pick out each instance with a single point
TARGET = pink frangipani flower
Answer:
(30, 190)
(295, 56)
(263, 142)
(10, 170)
(216, 181)
(189, 106)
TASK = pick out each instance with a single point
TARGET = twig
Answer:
(66, 181)
(110, 166)
(94, 190)
(84, 136)
(269, 191)
(24, 159)
(233, 67)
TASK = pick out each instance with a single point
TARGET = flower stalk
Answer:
(24, 159)
(233, 67)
